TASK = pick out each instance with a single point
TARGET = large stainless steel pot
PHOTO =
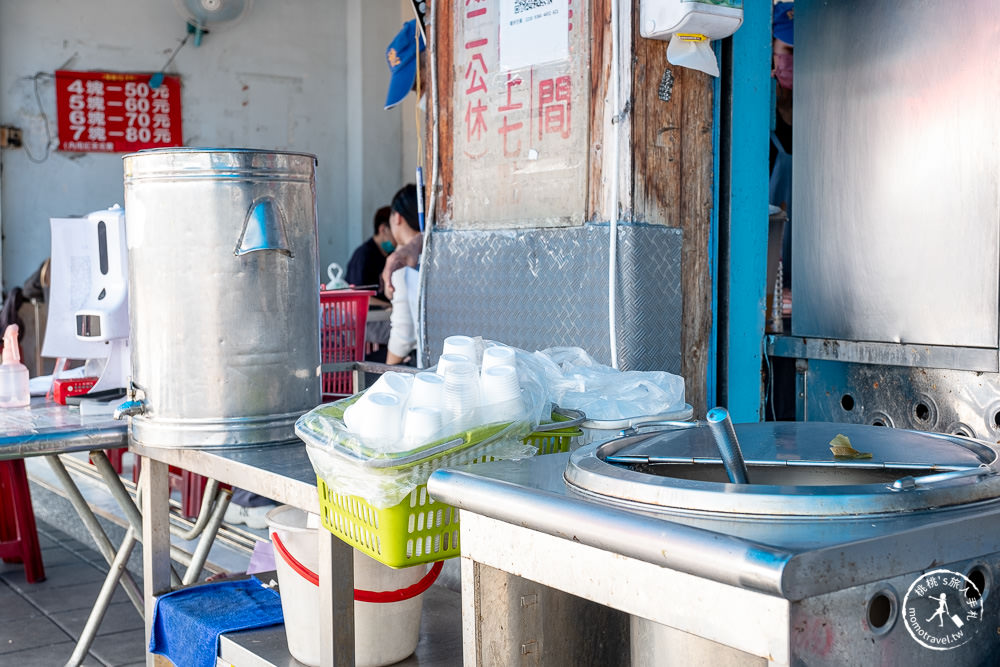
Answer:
(803, 499)
(223, 293)
(817, 561)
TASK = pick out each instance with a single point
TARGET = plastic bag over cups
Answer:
(384, 442)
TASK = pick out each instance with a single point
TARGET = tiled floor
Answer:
(40, 623)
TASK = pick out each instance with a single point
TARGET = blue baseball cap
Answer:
(784, 22)
(401, 57)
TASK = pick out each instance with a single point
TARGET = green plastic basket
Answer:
(420, 529)
(558, 435)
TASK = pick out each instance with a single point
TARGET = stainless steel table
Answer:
(521, 524)
(49, 429)
(281, 472)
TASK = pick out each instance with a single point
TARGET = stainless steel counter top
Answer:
(46, 428)
(281, 472)
(760, 555)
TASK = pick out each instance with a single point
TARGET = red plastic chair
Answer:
(115, 457)
(343, 316)
(190, 485)
(18, 533)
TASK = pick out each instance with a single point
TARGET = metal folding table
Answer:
(48, 429)
(281, 472)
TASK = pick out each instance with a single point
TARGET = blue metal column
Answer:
(750, 121)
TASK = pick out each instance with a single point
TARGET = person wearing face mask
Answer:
(405, 281)
(368, 260)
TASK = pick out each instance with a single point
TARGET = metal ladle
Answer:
(722, 430)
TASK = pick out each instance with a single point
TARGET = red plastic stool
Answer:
(18, 534)
(115, 457)
(192, 490)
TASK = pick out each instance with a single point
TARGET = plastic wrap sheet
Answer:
(39, 418)
(48, 428)
(574, 380)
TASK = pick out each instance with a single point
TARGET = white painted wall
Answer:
(301, 75)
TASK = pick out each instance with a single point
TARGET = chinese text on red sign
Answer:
(116, 112)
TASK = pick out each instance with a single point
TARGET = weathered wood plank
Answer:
(600, 76)
(445, 55)
(672, 185)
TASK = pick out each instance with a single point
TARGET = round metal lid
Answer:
(792, 471)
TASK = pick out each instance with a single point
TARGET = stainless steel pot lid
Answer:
(792, 471)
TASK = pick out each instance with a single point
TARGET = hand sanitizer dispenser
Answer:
(104, 317)
(690, 25)
(14, 392)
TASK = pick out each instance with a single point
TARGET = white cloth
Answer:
(403, 321)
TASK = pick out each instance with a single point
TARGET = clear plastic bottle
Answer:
(14, 391)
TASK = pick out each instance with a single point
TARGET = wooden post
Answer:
(665, 160)
(672, 185)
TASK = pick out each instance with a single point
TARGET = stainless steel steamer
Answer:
(223, 292)
(896, 247)
(802, 498)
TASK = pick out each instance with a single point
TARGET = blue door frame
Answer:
(740, 221)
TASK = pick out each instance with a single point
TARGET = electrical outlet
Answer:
(10, 137)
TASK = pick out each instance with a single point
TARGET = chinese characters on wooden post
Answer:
(520, 154)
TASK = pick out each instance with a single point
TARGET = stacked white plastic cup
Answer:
(461, 394)
(392, 382)
(421, 425)
(352, 416)
(397, 384)
(427, 391)
(463, 345)
(447, 360)
(498, 355)
(379, 419)
(501, 393)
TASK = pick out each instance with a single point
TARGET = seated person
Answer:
(405, 226)
(368, 259)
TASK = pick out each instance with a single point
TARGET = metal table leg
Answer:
(89, 632)
(94, 528)
(155, 489)
(200, 554)
(471, 611)
(124, 500)
(336, 601)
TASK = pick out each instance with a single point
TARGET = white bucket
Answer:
(384, 632)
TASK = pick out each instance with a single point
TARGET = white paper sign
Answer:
(74, 257)
(533, 32)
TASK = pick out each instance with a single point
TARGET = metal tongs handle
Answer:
(910, 483)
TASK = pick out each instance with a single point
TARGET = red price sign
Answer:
(114, 112)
